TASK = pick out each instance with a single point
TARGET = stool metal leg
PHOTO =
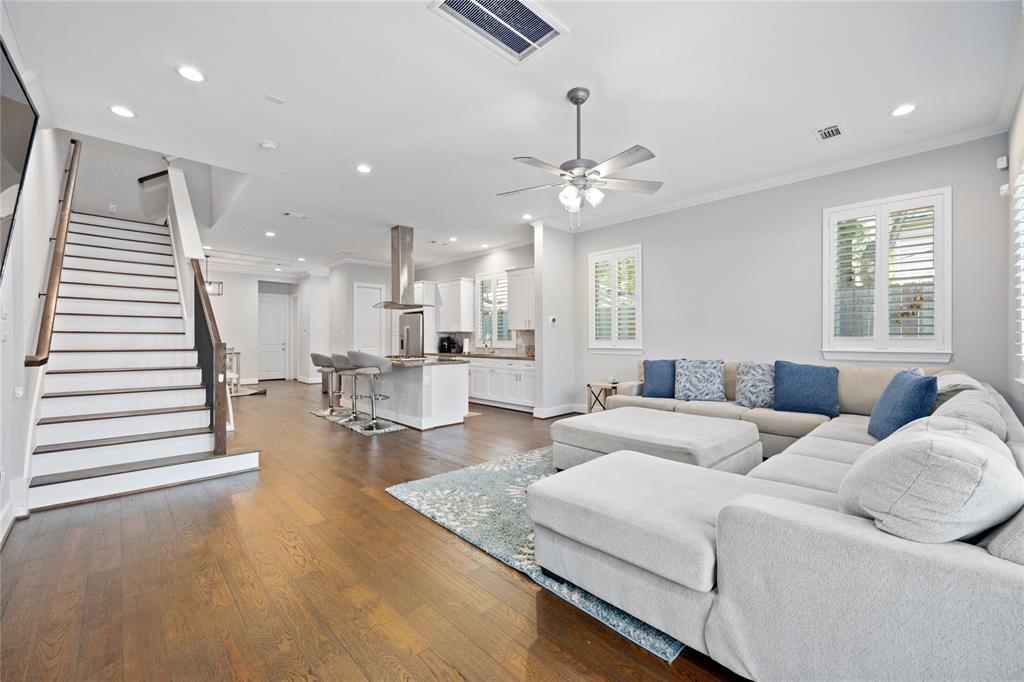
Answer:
(373, 425)
(330, 394)
(355, 410)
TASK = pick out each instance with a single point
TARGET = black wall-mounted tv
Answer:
(18, 119)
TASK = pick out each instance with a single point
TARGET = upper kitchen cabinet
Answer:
(455, 305)
(520, 299)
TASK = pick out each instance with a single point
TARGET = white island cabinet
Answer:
(503, 382)
(425, 394)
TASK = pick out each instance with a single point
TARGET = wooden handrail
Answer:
(212, 361)
(152, 176)
(42, 354)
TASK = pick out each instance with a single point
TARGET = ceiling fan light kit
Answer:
(582, 180)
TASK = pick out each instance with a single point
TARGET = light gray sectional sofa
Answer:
(767, 575)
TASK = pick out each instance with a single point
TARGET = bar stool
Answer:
(344, 369)
(324, 365)
(372, 366)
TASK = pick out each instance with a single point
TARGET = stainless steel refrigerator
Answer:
(410, 334)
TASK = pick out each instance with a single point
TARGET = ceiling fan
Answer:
(583, 180)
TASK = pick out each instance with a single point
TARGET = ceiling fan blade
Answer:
(621, 184)
(541, 165)
(632, 156)
(530, 189)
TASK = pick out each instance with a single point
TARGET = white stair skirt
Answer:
(119, 307)
(59, 382)
(118, 484)
(113, 427)
(62, 406)
(123, 359)
(166, 293)
(76, 459)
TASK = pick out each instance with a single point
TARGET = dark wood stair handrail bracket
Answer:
(42, 354)
(212, 361)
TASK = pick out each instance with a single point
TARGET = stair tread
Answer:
(116, 391)
(110, 331)
(117, 286)
(96, 472)
(116, 300)
(119, 350)
(96, 370)
(103, 236)
(113, 272)
(119, 260)
(82, 223)
(110, 217)
(119, 415)
(152, 317)
(118, 440)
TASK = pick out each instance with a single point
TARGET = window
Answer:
(615, 302)
(492, 311)
(1017, 209)
(887, 279)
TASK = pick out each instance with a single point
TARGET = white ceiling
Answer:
(727, 95)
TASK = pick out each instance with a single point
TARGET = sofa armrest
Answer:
(631, 388)
(805, 592)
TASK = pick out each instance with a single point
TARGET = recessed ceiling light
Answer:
(527, 216)
(270, 234)
(453, 239)
(191, 73)
(123, 112)
(904, 109)
(207, 247)
(483, 246)
(363, 168)
(277, 269)
(302, 260)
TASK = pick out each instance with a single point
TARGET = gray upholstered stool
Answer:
(324, 365)
(344, 369)
(371, 366)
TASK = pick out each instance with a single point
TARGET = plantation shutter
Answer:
(603, 304)
(855, 251)
(1018, 227)
(501, 331)
(625, 298)
(615, 309)
(486, 307)
(912, 273)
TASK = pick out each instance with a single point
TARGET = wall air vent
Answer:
(827, 133)
(512, 28)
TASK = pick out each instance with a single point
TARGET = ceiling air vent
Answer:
(828, 132)
(515, 29)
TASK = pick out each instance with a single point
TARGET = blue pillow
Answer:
(806, 388)
(908, 397)
(659, 378)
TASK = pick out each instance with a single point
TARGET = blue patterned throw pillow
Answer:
(755, 384)
(700, 380)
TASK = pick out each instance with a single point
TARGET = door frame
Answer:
(384, 340)
(294, 336)
(289, 336)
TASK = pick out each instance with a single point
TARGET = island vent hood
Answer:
(403, 272)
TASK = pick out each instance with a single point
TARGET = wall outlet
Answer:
(19, 392)
(112, 208)
(1002, 163)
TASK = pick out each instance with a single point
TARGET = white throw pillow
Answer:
(934, 481)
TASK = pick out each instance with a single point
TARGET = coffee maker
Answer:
(449, 344)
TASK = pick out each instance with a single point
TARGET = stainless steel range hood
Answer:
(403, 272)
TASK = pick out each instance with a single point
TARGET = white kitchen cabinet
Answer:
(455, 305)
(501, 382)
(520, 299)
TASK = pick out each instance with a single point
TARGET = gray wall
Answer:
(492, 261)
(340, 315)
(741, 278)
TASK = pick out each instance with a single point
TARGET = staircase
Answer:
(124, 406)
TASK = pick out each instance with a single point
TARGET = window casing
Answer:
(492, 311)
(615, 302)
(887, 279)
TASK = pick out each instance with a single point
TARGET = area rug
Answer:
(485, 505)
(359, 426)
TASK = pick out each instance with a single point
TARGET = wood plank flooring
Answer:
(305, 569)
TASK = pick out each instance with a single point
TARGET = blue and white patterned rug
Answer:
(485, 505)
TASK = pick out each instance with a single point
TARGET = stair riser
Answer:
(64, 322)
(91, 458)
(97, 381)
(119, 484)
(87, 360)
(118, 222)
(130, 233)
(74, 305)
(119, 402)
(120, 293)
(116, 278)
(102, 341)
(122, 243)
(118, 266)
(49, 434)
(103, 252)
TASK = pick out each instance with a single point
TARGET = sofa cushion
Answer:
(755, 384)
(708, 408)
(1007, 540)
(652, 513)
(952, 383)
(806, 388)
(700, 380)
(861, 387)
(729, 370)
(796, 424)
(685, 438)
(807, 472)
(907, 398)
(666, 404)
(831, 449)
(659, 378)
(937, 480)
(977, 408)
(853, 429)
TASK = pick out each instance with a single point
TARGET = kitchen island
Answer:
(425, 393)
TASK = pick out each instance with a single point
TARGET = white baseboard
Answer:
(6, 520)
(554, 411)
(249, 380)
(309, 380)
(580, 408)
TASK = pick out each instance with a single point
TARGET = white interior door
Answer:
(368, 325)
(273, 330)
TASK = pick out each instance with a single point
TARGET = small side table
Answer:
(597, 394)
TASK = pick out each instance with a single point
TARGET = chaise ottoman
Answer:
(710, 442)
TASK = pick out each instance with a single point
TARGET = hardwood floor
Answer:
(306, 569)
